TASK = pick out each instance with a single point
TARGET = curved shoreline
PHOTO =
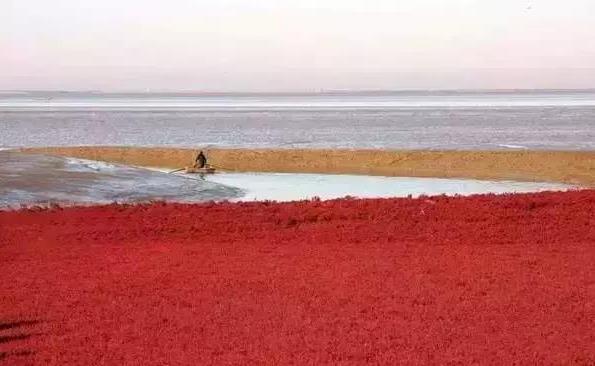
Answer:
(571, 167)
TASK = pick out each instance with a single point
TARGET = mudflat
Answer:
(573, 167)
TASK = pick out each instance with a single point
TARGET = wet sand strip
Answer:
(571, 167)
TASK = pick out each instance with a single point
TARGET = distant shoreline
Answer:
(321, 92)
(570, 167)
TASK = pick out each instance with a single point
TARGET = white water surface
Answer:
(293, 187)
(411, 99)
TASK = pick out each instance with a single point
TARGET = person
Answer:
(201, 160)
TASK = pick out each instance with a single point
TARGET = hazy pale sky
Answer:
(296, 45)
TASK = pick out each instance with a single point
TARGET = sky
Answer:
(296, 45)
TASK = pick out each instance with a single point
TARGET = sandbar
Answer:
(570, 167)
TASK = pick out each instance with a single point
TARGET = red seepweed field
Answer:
(477, 280)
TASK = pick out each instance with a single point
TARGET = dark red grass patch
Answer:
(486, 279)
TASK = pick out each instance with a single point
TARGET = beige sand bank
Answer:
(575, 167)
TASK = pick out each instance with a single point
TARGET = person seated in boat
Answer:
(201, 161)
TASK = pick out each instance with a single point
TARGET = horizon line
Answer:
(321, 91)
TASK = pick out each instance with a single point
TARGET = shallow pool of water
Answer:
(290, 187)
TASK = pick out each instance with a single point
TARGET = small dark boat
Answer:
(205, 170)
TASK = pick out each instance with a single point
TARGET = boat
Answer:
(205, 170)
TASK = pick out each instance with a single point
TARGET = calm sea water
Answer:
(562, 120)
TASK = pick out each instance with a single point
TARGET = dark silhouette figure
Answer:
(201, 160)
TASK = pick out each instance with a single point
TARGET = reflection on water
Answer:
(38, 179)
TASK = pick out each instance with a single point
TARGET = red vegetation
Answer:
(486, 279)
